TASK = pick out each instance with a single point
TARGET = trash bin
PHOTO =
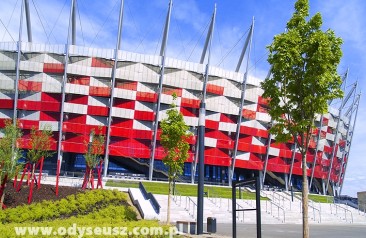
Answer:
(211, 224)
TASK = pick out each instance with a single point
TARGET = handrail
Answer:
(238, 207)
(175, 197)
(360, 212)
(314, 209)
(278, 210)
(151, 197)
(319, 212)
(190, 202)
(345, 211)
(280, 198)
(213, 196)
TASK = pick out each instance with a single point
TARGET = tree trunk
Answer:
(168, 210)
(2, 200)
(305, 191)
(40, 173)
(90, 179)
(31, 184)
(2, 191)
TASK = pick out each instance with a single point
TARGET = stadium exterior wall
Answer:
(87, 96)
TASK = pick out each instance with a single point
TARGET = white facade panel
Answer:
(101, 72)
(191, 121)
(28, 115)
(30, 96)
(225, 126)
(139, 125)
(330, 137)
(274, 151)
(98, 101)
(6, 83)
(255, 141)
(243, 155)
(124, 93)
(79, 70)
(53, 125)
(261, 116)
(96, 120)
(51, 87)
(75, 108)
(213, 116)
(123, 113)
(77, 89)
(143, 106)
(210, 142)
(31, 66)
(253, 124)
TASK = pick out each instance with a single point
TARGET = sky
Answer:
(143, 23)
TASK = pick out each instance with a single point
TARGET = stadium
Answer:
(74, 89)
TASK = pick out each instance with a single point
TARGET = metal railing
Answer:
(361, 211)
(191, 207)
(238, 207)
(339, 210)
(177, 197)
(280, 197)
(311, 205)
(214, 197)
(270, 210)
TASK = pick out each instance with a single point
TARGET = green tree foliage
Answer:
(40, 143)
(95, 149)
(304, 62)
(9, 155)
(40, 148)
(174, 139)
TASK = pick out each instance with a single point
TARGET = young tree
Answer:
(40, 148)
(174, 139)
(95, 148)
(304, 62)
(9, 155)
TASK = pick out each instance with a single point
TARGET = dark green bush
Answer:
(79, 204)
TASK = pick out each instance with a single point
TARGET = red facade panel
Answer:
(24, 85)
(98, 111)
(146, 97)
(144, 116)
(55, 68)
(192, 103)
(214, 89)
(6, 103)
(99, 91)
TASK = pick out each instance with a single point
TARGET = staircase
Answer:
(278, 209)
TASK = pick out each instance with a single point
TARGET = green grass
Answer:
(317, 198)
(183, 189)
(321, 198)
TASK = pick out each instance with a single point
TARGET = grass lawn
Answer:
(321, 198)
(317, 198)
(182, 189)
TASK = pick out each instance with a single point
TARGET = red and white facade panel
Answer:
(88, 96)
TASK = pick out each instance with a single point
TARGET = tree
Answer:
(95, 148)
(174, 139)
(40, 148)
(304, 62)
(9, 155)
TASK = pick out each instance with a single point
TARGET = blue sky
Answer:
(143, 25)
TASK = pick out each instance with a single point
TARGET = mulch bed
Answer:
(45, 192)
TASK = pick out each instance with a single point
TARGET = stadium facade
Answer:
(75, 89)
